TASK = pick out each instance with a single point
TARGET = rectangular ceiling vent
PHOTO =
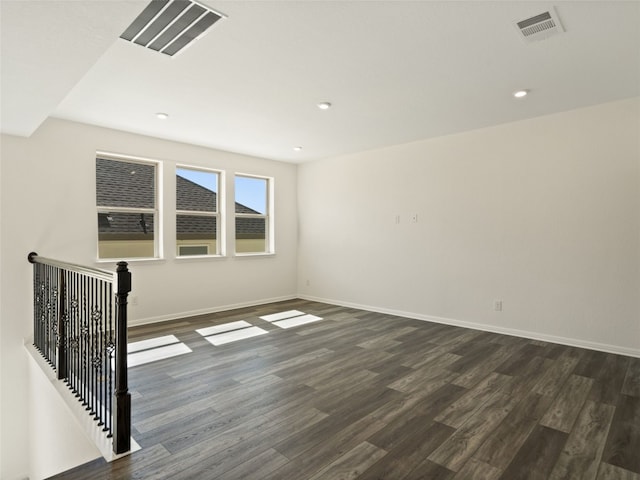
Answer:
(168, 26)
(540, 27)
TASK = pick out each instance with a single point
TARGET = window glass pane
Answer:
(126, 235)
(196, 190)
(251, 235)
(251, 195)
(125, 184)
(196, 230)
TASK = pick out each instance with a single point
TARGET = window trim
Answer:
(218, 214)
(158, 244)
(268, 216)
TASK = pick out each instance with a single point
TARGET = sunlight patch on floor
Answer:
(235, 335)
(296, 321)
(153, 349)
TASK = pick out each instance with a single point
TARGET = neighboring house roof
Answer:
(127, 184)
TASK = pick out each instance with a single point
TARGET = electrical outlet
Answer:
(134, 301)
(397, 219)
(308, 283)
(414, 218)
(497, 305)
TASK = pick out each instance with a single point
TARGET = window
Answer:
(126, 198)
(197, 212)
(253, 218)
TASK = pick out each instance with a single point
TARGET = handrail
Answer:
(98, 273)
(80, 328)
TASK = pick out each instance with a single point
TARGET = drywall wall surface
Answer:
(542, 215)
(50, 418)
(49, 206)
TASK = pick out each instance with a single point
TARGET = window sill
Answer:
(183, 258)
(114, 261)
(259, 254)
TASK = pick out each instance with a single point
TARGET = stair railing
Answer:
(80, 328)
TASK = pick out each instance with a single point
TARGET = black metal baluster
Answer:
(47, 324)
(36, 302)
(85, 340)
(74, 333)
(36, 298)
(110, 369)
(45, 314)
(61, 333)
(100, 402)
(92, 342)
(96, 340)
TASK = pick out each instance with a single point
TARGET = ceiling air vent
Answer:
(540, 26)
(168, 26)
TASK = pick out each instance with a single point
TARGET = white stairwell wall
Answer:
(58, 441)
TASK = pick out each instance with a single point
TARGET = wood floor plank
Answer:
(480, 370)
(502, 446)
(329, 427)
(528, 376)
(453, 453)
(234, 447)
(631, 385)
(351, 464)
(429, 470)
(470, 360)
(537, 456)
(463, 408)
(477, 470)
(623, 442)
(608, 372)
(568, 403)
(611, 472)
(554, 377)
(422, 354)
(581, 455)
(322, 453)
(422, 378)
(418, 403)
(257, 467)
(418, 442)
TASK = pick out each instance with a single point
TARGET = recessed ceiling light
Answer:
(520, 93)
(298, 148)
(162, 116)
(324, 106)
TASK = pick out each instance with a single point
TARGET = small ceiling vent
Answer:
(540, 26)
(168, 26)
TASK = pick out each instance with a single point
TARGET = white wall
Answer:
(543, 214)
(48, 206)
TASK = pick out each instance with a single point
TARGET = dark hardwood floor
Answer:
(362, 395)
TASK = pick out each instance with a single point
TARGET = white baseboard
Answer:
(205, 311)
(572, 342)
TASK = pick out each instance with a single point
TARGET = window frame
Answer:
(218, 214)
(156, 211)
(268, 216)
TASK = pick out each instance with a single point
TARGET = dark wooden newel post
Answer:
(122, 423)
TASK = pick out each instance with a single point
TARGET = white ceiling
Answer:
(395, 71)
